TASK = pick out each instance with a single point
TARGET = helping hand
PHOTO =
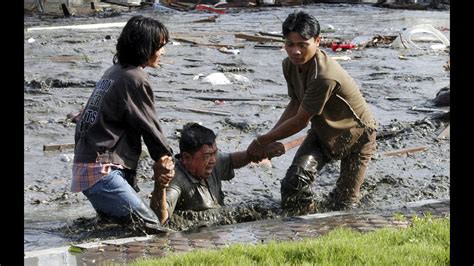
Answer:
(274, 149)
(255, 151)
(164, 170)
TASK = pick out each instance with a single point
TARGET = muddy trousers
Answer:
(309, 159)
(113, 197)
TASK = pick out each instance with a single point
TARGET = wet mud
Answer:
(62, 66)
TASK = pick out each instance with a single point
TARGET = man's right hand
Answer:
(164, 170)
(274, 149)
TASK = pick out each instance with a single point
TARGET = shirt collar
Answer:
(185, 171)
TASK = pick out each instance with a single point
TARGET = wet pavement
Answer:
(123, 251)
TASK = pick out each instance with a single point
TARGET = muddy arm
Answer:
(239, 159)
(163, 174)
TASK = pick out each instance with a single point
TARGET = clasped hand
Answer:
(258, 152)
(164, 170)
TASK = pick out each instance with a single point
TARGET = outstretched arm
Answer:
(288, 127)
(242, 158)
(163, 174)
(290, 111)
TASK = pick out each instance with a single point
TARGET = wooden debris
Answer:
(445, 133)
(273, 47)
(207, 44)
(254, 38)
(58, 147)
(404, 151)
(180, 6)
(205, 98)
(81, 27)
(428, 110)
(121, 3)
(208, 19)
(271, 34)
(294, 143)
(205, 111)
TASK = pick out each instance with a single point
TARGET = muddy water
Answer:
(61, 67)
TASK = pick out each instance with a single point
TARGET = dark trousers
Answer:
(310, 158)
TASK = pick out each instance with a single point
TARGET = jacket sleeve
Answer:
(141, 112)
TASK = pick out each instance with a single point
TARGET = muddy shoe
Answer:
(156, 229)
(336, 202)
(300, 209)
(343, 206)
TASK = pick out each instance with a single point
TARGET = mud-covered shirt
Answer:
(340, 113)
(186, 192)
(119, 113)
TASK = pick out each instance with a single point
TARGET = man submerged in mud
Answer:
(118, 114)
(199, 170)
(342, 126)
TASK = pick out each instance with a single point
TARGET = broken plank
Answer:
(58, 147)
(205, 98)
(207, 44)
(254, 38)
(404, 151)
(205, 111)
(428, 110)
(208, 19)
(273, 47)
(82, 27)
(271, 34)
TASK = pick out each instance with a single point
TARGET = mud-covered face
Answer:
(202, 162)
(154, 61)
(299, 49)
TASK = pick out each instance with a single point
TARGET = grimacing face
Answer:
(299, 49)
(202, 162)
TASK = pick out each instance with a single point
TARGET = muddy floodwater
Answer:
(62, 66)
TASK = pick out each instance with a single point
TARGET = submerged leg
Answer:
(353, 169)
(296, 192)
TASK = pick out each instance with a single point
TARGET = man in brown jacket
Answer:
(342, 126)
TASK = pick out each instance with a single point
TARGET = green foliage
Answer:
(398, 216)
(425, 242)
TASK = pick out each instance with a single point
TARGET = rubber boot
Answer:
(296, 193)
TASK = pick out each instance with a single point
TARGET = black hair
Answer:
(194, 136)
(140, 39)
(303, 23)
